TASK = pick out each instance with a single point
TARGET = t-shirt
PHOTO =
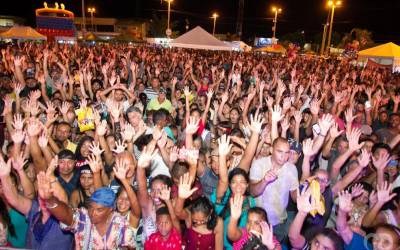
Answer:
(275, 197)
(21, 226)
(358, 242)
(46, 236)
(155, 105)
(156, 242)
(209, 181)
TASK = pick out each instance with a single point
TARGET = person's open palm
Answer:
(185, 187)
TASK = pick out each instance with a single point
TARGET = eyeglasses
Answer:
(323, 181)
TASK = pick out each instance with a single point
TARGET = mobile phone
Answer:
(316, 128)
(367, 104)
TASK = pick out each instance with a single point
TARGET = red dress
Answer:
(195, 241)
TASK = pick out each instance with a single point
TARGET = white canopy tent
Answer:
(198, 38)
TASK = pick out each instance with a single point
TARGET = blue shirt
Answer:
(55, 238)
(71, 185)
(358, 242)
(224, 212)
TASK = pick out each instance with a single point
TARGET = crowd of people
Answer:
(120, 147)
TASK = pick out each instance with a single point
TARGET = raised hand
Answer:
(349, 116)
(192, 126)
(325, 123)
(304, 201)
(334, 131)
(128, 132)
(65, 106)
(174, 154)
(357, 190)
(18, 122)
(52, 167)
(267, 236)
(236, 204)
(384, 192)
(18, 162)
(5, 167)
(165, 193)
(95, 149)
(381, 161)
(44, 186)
(184, 189)
(101, 129)
(314, 107)
(345, 204)
(223, 145)
(307, 147)
(43, 139)
(120, 147)
(18, 136)
(256, 123)
(146, 155)
(225, 97)
(120, 169)
(285, 124)
(298, 116)
(363, 158)
(34, 127)
(353, 138)
(95, 163)
(277, 114)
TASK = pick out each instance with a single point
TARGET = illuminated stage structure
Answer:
(56, 23)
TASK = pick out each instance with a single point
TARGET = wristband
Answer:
(51, 206)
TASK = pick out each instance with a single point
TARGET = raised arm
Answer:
(234, 233)
(224, 149)
(255, 127)
(304, 206)
(372, 218)
(120, 171)
(345, 206)
(184, 192)
(18, 163)
(17, 201)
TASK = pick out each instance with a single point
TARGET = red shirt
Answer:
(156, 242)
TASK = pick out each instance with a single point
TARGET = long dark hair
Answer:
(78, 154)
(203, 205)
(225, 212)
(337, 241)
(6, 218)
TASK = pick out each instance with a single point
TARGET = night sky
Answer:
(381, 17)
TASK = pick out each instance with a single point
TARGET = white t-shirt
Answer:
(275, 197)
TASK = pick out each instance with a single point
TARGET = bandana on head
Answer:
(104, 196)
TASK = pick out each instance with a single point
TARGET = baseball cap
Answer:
(295, 146)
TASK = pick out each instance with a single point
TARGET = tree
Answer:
(361, 37)
(158, 25)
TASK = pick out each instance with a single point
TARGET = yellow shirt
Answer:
(71, 146)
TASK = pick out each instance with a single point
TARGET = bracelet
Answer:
(51, 206)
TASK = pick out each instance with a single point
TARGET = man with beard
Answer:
(61, 140)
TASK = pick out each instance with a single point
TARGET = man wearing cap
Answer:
(98, 226)
(160, 102)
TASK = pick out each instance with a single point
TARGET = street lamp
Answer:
(214, 16)
(168, 31)
(83, 19)
(333, 4)
(91, 11)
(276, 10)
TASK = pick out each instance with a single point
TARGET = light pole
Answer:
(91, 11)
(333, 4)
(214, 16)
(326, 25)
(168, 31)
(276, 10)
(83, 19)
